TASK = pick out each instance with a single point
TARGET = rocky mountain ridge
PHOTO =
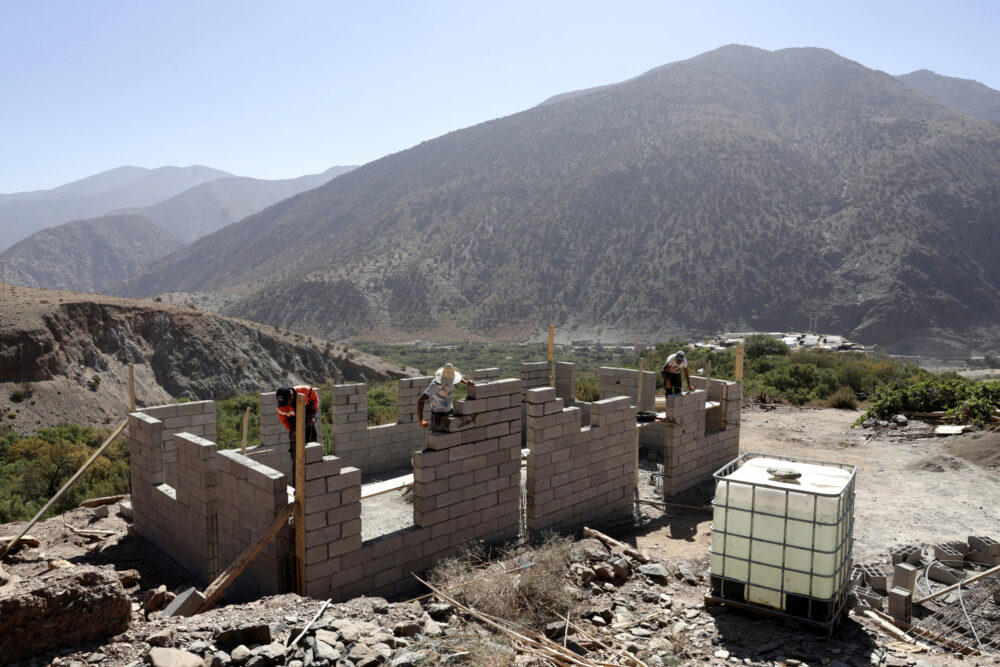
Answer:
(64, 357)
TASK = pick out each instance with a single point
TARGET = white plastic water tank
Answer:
(782, 533)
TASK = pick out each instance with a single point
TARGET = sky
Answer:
(282, 89)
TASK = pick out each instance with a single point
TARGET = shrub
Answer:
(763, 345)
(94, 383)
(843, 399)
(587, 388)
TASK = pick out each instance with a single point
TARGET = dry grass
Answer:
(526, 587)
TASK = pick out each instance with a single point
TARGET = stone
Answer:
(555, 629)
(103, 511)
(439, 610)
(246, 634)
(900, 420)
(621, 568)
(655, 571)
(129, 578)
(44, 613)
(722, 654)
(58, 563)
(407, 659)
(687, 575)
(604, 572)
(240, 654)
(639, 631)
(161, 638)
(432, 628)
(380, 606)
(406, 629)
(274, 652)
(173, 657)
(329, 636)
(185, 604)
(324, 651)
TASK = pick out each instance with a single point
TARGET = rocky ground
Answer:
(912, 489)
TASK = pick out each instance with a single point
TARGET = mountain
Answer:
(24, 213)
(967, 96)
(71, 352)
(87, 255)
(740, 189)
(213, 205)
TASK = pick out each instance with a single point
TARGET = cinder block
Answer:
(945, 574)
(986, 545)
(901, 604)
(948, 555)
(904, 575)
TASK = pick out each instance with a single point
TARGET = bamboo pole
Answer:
(246, 424)
(224, 580)
(300, 493)
(69, 483)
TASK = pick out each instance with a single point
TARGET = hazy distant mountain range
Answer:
(968, 96)
(739, 189)
(92, 255)
(24, 213)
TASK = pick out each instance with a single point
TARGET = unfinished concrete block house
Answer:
(519, 457)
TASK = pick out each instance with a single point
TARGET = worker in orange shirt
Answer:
(286, 412)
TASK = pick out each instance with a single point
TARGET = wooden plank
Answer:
(637, 554)
(738, 371)
(69, 483)
(223, 581)
(950, 429)
(107, 500)
(131, 388)
(378, 488)
(552, 367)
(965, 582)
(300, 494)
(246, 425)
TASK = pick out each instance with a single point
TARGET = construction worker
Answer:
(671, 372)
(440, 391)
(286, 412)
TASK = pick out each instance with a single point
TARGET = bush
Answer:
(530, 596)
(587, 388)
(843, 399)
(94, 383)
(756, 346)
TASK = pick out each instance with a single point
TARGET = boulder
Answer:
(173, 657)
(44, 613)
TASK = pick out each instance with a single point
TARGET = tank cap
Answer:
(784, 474)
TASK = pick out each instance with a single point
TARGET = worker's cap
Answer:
(283, 395)
(680, 354)
(447, 374)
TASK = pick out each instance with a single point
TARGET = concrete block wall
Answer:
(625, 382)
(376, 448)
(696, 442)
(486, 374)
(466, 487)
(183, 520)
(196, 418)
(272, 432)
(249, 496)
(566, 381)
(578, 476)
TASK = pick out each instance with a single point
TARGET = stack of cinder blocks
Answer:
(625, 382)
(486, 374)
(249, 496)
(578, 476)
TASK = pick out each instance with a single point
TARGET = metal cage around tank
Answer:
(783, 547)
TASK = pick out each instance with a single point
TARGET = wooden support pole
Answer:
(246, 425)
(637, 554)
(69, 483)
(223, 581)
(638, 406)
(131, 388)
(738, 371)
(300, 494)
(552, 367)
(708, 374)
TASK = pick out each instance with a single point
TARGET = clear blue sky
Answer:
(281, 89)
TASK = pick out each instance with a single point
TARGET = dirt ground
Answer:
(912, 487)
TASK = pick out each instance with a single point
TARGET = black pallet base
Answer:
(819, 614)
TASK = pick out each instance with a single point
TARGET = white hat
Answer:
(448, 374)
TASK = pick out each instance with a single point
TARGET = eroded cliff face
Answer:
(74, 351)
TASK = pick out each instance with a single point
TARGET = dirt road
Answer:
(910, 490)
